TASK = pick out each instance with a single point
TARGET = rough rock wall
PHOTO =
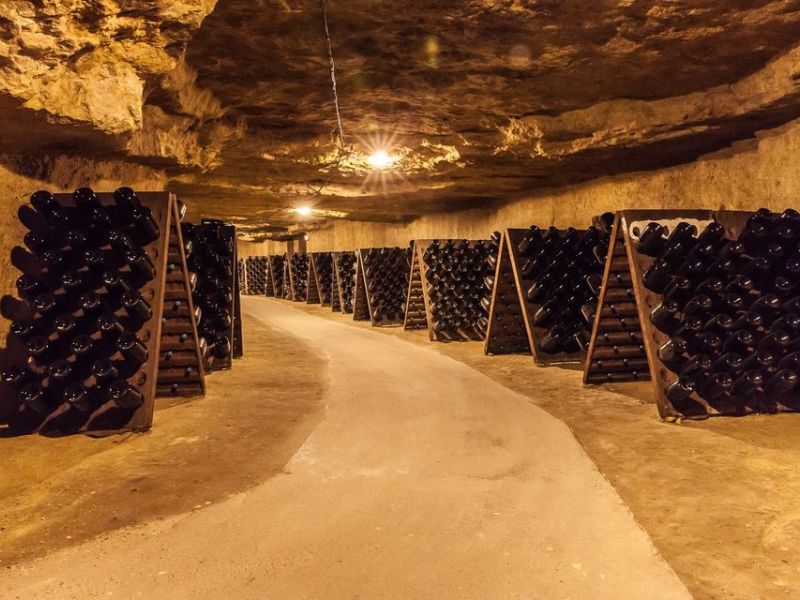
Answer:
(760, 172)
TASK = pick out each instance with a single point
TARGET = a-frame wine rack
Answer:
(276, 274)
(180, 362)
(364, 302)
(223, 236)
(616, 348)
(419, 247)
(237, 341)
(312, 283)
(361, 311)
(416, 303)
(632, 222)
(296, 281)
(510, 255)
(344, 292)
(321, 262)
(508, 331)
(104, 416)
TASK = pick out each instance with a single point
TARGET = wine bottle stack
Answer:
(80, 346)
(323, 274)
(557, 270)
(416, 316)
(386, 279)
(731, 309)
(298, 277)
(255, 275)
(345, 266)
(276, 272)
(507, 332)
(180, 358)
(456, 273)
(617, 353)
(212, 260)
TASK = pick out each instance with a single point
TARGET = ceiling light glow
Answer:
(303, 211)
(380, 159)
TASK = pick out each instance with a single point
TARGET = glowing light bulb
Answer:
(380, 159)
(303, 211)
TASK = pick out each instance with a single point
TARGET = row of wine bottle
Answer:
(456, 272)
(256, 271)
(345, 264)
(86, 313)
(299, 265)
(323, 265)
(212, 262)
(731, 307)
(386, 278)
(561, 271)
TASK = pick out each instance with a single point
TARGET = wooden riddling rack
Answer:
(385, 275)
(256, 275)
(180, 360)
(508, 331)
(616, 348)
(511, 326)
(299, 277)
(416, 314)
(418, 273)
(344, 281)
(100, 414)
(213, 259)
(276, 272)
(321, 271)
(634, 221)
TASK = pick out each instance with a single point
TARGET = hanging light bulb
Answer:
(380, 159)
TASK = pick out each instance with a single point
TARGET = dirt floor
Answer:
(57, 492)
(720, 498)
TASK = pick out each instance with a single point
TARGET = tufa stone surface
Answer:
(479, 101)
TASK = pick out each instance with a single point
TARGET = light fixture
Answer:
(303, 211)
(380, 159)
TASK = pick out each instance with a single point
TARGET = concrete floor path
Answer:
(426, 480)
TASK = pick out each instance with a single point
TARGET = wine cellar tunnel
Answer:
(335, 299)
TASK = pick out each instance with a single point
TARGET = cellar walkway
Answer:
(426, 479)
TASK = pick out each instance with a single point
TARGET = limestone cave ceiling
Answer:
(479, 100)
